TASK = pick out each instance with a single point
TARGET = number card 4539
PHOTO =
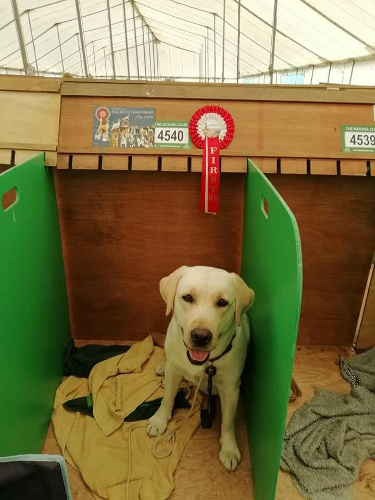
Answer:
(357, 139)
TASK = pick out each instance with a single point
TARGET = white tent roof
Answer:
(184, 39)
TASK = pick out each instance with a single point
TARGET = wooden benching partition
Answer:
(36, 327)
(114, 202)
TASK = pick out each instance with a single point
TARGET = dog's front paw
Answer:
(230, 457)
(157, 424)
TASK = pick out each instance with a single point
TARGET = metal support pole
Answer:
(21, 40)
(351, 73)
(159, 70)
(93, 53)
(157, 60)
(200, 63)
(105, 63)
(207, 50)
(126, 38)
(152, 54)
(135, 42)
(61, 54)
(329, 71)
(149, 51)
(214, 47)
(80, 53)
(273, 42)
(205, 59)
(111, 39)
(32, 41)
(144, 47)
(223, 61)
(81, 38)
(153, 51)
(238, 38)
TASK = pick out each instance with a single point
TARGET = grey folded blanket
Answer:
(329, 437)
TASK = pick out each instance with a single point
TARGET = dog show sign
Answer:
(116, 127)
(211, 129)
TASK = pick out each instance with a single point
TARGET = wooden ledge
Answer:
(229, 164)
(145, 163)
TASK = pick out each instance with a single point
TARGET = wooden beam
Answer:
(24, 155)
(217, 91)
(5, 156)
(234, 165)
(193, 152)
(140, 162)
(293, 165)
(31, 146)
(85, 162)
(29, 83)
(50, 158)
(174, 164)
(353, 167)
(62, 162)
(115, 162)
(266, 165)
(323, 166)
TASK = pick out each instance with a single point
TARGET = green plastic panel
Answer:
(34, 318)
(272, 266)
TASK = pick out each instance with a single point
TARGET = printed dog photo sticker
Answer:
(123, 127)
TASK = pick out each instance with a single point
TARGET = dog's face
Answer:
(206, 303)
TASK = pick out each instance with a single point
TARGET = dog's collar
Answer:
(228, 348)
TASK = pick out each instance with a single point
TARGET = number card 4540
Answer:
(172, 135)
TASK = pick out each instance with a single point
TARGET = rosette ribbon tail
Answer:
(210, 179)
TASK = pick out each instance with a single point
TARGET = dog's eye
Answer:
(222, 303)
(188, 298)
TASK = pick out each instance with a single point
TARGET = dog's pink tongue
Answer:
(198, 355)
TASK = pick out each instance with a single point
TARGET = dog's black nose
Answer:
(201, 337)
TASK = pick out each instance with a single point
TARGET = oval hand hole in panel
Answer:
(264, 206)
(9, 199)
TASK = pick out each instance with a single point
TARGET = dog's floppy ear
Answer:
(244, 297)
(168, 287)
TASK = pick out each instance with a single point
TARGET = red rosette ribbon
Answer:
(211, 128)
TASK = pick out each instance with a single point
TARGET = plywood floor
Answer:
(200, 475)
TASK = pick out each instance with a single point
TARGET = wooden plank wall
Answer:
(123, 231)
(112, 283)
(336, 219)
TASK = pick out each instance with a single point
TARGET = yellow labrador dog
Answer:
(208, 306)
